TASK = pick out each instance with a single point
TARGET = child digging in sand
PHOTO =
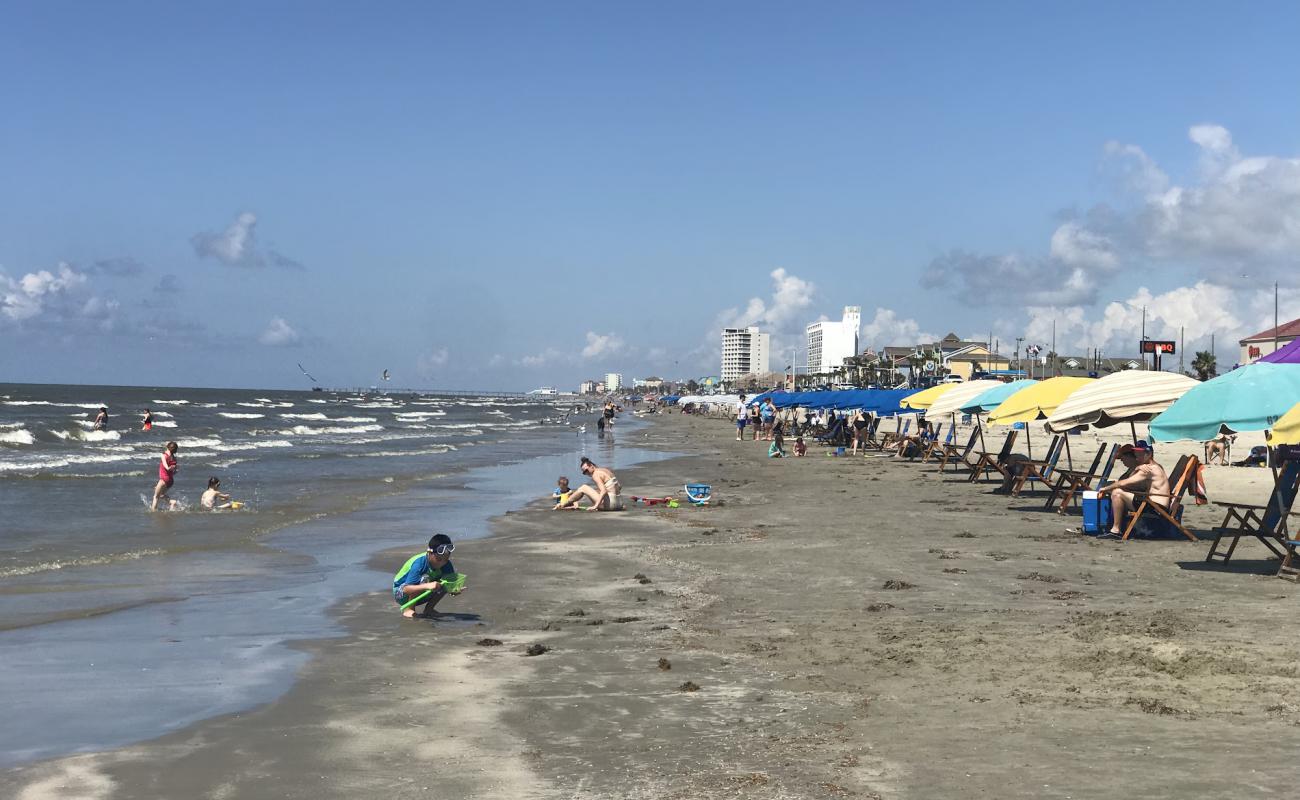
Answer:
(561, 493)
(426, 572)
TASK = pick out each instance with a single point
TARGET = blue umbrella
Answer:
(1250, 398)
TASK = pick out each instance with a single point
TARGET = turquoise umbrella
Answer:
(988, 400)
(984, 402)
(1250, 398)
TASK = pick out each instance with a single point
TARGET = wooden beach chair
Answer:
(1070, 484)
(924, 448)
(936, 444)
(1267, 523)
(1040, 471)
(951, 453)
(1181, 481)
(891, 437)
(994, 462)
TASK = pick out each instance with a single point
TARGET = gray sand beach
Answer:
(831, 627)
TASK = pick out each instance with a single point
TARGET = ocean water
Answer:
(182, 615)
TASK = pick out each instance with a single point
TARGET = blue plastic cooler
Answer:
(1096, 513)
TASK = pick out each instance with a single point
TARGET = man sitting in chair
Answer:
(1144, 476)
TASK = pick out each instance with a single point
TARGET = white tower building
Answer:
(829, 343)
(744, 351)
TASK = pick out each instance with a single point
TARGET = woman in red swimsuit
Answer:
(166, 474)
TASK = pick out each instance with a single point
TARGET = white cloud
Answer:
(236, 246)
(541, 359)
(886, 328)
(279, 333)
(791, 297)
(602, 345)
(431, 362)
(50, 296)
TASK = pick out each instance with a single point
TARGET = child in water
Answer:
(561, 493)
(213, 499)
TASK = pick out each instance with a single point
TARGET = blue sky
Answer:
(497, 195)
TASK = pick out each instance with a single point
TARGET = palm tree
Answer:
(1205, 365)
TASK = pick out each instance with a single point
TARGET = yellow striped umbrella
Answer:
(922, 399)
(1287, 429)
(1036, 401)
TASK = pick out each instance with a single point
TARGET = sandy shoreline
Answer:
(1018, 660)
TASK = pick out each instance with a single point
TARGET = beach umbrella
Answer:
(1287, 429)
(986, 401)
(1037, 401)
(1289, 354)
(1130, 396)
(1250, 398)
(952, 400)
(921, 400)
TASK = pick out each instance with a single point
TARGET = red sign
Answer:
(1157, 346)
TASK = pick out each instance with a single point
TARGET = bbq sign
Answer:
(1157, 346)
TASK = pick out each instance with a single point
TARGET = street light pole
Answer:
(1275, 322)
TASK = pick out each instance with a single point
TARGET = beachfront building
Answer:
(1265, 342)
(587, 387)
(830, 343)
(613, 381)
(745, 351)
(951, 355)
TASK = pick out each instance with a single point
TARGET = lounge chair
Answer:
(954, 454)
(993, 462)
(892, 437)
(1040, 471)
(1267, 523)
(1182, 480)
(919, 446)
(835, 436)
(1070, 484)
(936, 444)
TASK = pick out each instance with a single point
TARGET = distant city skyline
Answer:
(208, 195)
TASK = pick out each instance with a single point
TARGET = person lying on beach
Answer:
(561, 493)
(913, 445)
(213, 498)
(1146, 477)
(167, 467)
(603, 493)
(425, 572)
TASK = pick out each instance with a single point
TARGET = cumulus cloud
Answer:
(237, 246)
(279, 333)
(434, 360)
(1241, 214)
(791, 297)
(599, 345)
(886, 328)
(547, 356)
(41, 293)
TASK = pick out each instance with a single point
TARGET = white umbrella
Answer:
(1130, 396)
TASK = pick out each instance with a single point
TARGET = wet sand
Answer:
(833, 627)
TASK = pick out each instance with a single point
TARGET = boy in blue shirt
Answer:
(424, 572)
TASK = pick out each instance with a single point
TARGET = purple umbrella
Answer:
(1287, 354)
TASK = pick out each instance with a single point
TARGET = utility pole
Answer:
(1182, 347)
(1144, 336)
(1019, 339)
(1055, 356)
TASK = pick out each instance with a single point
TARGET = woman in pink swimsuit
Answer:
(166, 474)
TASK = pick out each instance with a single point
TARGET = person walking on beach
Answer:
(146, 424)
(101, 420)
(603, 491)
(425, 572)
(1147, 477)
(742, 416)
(166, 476)
(860, 424)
